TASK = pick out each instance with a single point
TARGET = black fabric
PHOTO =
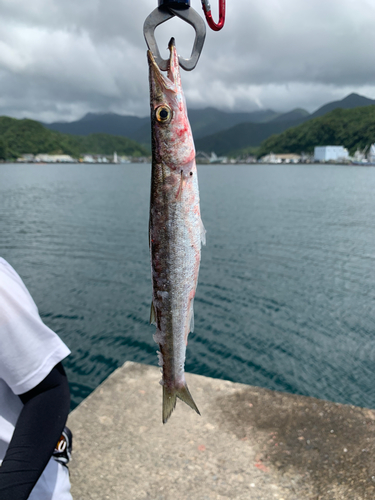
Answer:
(38, 429)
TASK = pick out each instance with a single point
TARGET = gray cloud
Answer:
(61, 59)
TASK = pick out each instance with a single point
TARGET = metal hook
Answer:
(207, 12)
(159, 16)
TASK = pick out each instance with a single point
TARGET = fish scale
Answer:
(175, 229)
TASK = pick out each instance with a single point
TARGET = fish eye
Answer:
(163, 114)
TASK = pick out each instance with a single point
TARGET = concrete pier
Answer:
(249, 444)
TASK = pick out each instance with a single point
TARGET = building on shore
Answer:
(281, 158)
(245, 160)
(45, 158)
(26, 158)
(330, 153)
(87, 158)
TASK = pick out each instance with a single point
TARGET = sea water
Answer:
(286, 292)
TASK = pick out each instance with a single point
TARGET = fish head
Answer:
(172, 140)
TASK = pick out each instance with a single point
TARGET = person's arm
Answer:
(36, 434)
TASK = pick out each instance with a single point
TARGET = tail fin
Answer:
(169, 400)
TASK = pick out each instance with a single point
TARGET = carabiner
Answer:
(207, 12)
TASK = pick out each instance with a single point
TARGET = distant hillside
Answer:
(295, 114)
(106, 144)
(28, 136)
(100, 123)
(349, 102)
(203, 122)
(207, 121)
(245, 136)
(242, 136)
(213, 130)
(352, 128)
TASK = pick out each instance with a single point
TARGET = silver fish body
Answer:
(175, 231)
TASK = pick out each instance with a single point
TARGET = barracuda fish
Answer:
(176, 230)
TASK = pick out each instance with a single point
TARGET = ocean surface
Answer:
(286, 293)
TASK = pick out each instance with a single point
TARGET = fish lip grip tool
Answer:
(166, 10)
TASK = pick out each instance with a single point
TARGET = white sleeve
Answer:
(28, 348)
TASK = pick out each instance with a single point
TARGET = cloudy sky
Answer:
(60, 59)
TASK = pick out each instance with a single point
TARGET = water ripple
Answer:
(286, 296)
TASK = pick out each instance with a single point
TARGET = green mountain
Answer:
(28, 136)
(295, 114)
(245, 137)
(203, 122)
(352, 128)
(106, 144)
(225, 133)
(349, 102)
(101, 123)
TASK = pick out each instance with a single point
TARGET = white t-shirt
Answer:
(28, 352)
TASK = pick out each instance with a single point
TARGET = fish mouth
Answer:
(167, 81)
